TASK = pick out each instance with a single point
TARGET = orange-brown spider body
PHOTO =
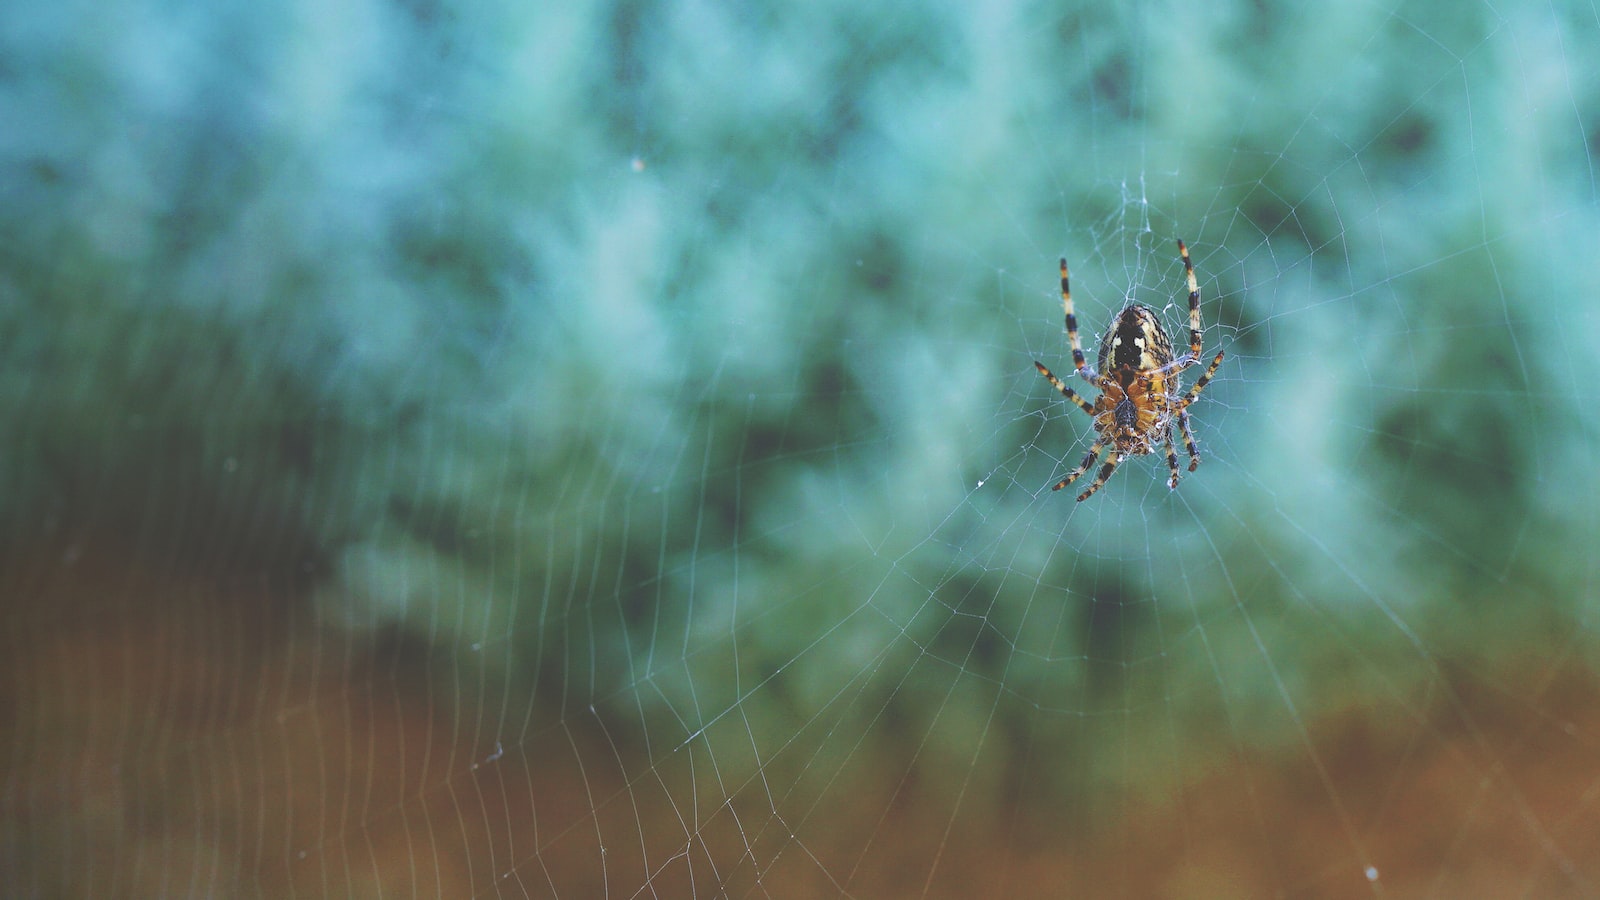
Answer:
(1141, 396)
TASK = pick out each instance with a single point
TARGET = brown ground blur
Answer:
(191, 734)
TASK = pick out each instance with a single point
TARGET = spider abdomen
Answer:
(1135, 342)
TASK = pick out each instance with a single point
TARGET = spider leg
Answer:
(1079, 365)
(1105, 472)
(1172, 455)
(1201, 384)
(1088, 460)
(1194, 304)
(1066, 391)
(1188, 444)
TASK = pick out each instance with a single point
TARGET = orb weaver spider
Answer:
(1140, 392)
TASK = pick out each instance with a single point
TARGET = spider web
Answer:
(471, 450)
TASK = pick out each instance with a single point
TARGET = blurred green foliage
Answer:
(674, 357)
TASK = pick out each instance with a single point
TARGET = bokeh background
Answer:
(593, 449)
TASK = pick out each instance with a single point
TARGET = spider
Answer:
(1139, 385)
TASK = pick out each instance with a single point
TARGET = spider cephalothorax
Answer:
(1140, 393)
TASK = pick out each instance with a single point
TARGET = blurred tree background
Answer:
(593, 449)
